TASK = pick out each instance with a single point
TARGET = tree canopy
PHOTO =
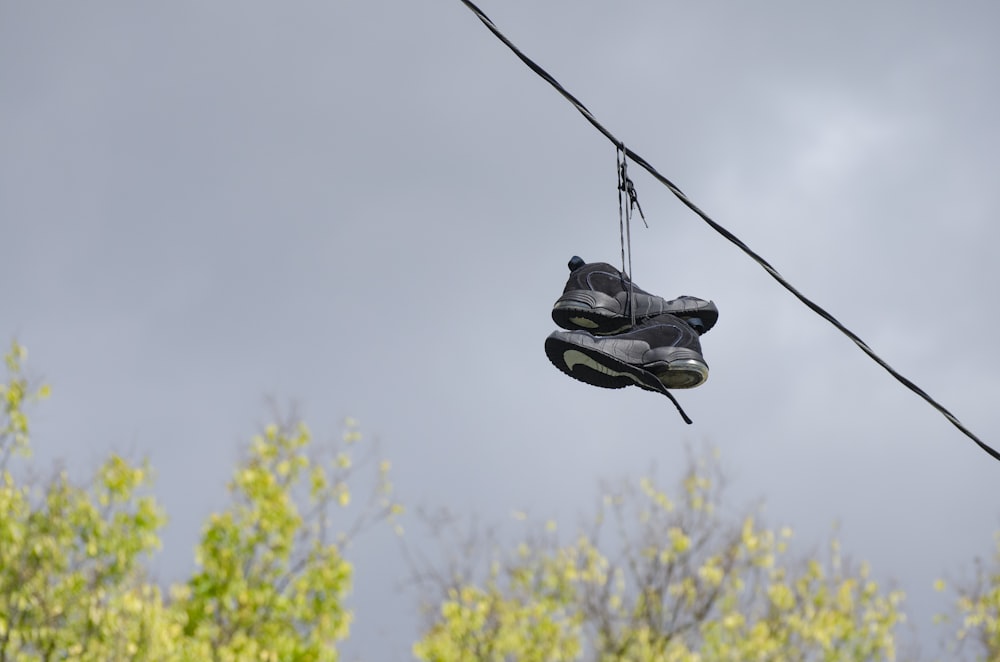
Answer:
(657, 575)
(673, 583)
(271, 576)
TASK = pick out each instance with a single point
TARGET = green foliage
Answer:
(673, 582)
(270, 585)
(69, 556)
(678, 585)
(978, 609)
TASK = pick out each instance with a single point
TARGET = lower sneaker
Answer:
(660, 353)
(596, 299)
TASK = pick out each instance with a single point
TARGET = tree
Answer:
(977, 605)
(271, 575)
(676, 583)
(658, 575)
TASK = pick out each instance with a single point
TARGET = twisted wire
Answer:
(729, 236)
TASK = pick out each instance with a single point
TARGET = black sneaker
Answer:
(661, 352)
(596, 299)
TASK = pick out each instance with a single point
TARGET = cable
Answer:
(723, 231)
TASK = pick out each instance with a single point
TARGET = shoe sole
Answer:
(583, 361)
(604, 315)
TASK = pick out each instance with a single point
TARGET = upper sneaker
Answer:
(596, 299)
(659, 353)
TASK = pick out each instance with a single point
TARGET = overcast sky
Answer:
(367, 206)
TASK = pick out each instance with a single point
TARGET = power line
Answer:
(723, 231)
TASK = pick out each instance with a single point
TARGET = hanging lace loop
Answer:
(627, 201)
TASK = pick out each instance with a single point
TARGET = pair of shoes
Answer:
(602, 348)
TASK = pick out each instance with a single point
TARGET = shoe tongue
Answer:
(576, 262)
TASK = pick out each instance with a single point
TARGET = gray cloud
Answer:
(367, 207)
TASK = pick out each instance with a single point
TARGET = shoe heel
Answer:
(684, 373)
(589, 310)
